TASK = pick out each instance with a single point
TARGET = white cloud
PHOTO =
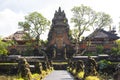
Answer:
(9, 22)
(13, 11)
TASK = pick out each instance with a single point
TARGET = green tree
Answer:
(102, 20)
(74, 34)
(84, 18)
(3, 47)
(100, 49)
(118, 48)
(34, 25)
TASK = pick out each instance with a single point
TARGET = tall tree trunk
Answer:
(37, 39)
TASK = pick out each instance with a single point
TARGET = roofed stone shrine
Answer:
(100, 37)
(58, 38)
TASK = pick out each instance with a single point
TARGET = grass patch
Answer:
(5, 77)
(92, 78)
(8, 64)
(59, 63)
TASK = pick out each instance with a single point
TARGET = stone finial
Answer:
(59, 10)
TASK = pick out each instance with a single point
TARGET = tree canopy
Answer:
(84, 18)
(35, 24)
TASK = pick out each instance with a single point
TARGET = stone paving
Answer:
(59, 75)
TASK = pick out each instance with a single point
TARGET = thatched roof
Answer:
(100, 33)
(18, 36)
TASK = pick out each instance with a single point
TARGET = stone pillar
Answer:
(90, 67)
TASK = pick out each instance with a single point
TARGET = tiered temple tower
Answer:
(58, 38)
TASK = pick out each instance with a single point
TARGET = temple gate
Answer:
(59, 44)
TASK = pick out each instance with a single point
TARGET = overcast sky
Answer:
(13, 11)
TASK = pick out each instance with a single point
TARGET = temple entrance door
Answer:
(59, 41)
(59, 54)
(59, 48)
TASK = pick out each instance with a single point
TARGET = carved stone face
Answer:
(59, 30)
(59, 41)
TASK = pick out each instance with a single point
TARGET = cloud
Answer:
(13, 11)
(9, 21)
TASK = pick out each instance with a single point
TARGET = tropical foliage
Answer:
(84, 18)
(100, 49)
(3, 47)
(35, 24)
(118, 49)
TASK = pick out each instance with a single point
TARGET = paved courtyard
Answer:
(59, 75)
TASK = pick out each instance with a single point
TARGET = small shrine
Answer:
(19, 42)
(100, 37)
(58, 38)
(18, 37)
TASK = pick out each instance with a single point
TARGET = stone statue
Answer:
(116, 75)
(50, 65)
(80, 70)
(28, 74)
(90, 67)
(40, 68)
(74, 65)
(22, 65)
(65, 53)
(54, 53)
(80, 66)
